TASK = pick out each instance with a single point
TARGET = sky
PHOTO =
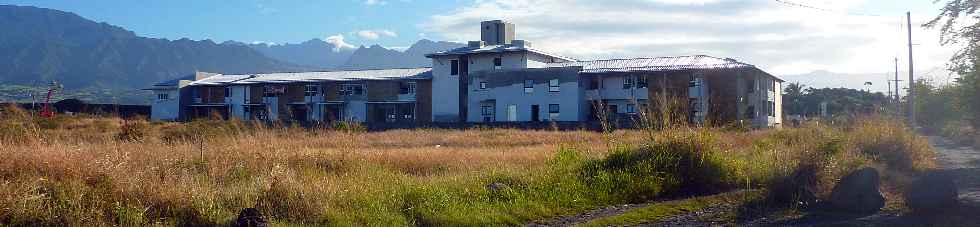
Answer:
(781, 37)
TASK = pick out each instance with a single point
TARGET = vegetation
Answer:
(105, 171)
(800, 100)
(953, 110)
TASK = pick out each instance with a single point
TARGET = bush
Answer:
(686, 163)
(133, 131)
(349, 126)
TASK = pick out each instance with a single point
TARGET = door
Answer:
(534, 113)
(512, 113)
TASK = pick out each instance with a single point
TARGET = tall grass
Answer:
(106, 171)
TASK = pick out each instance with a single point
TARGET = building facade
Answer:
(496, 79)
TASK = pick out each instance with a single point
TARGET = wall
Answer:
(445, 92)
(506, 88)
(166, 110)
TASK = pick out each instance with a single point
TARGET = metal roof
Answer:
(375, 74)
(495, 49)
(654, 64)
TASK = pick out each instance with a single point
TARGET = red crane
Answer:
(46, 111)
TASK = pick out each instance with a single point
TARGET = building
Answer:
(496, 79)
(375, 96)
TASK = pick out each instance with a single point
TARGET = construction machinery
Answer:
(46, 111)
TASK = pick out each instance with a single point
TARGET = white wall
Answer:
(570, 96)
(445, 90)
(165, 110)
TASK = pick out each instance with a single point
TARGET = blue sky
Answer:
(782, 39)
(258, 20)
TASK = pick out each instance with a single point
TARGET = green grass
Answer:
(660, 211)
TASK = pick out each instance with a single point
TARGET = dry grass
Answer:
(103, 171)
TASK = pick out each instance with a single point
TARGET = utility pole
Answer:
(911, 96)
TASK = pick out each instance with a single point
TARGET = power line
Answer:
(794, 4)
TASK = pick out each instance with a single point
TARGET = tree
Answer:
(965, 61)
(792, 99)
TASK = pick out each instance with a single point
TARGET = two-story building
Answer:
(496, 79)
(388, 95)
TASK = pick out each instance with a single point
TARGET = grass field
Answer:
(108, 171)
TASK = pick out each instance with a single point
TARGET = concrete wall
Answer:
(445, 87)
(166, 110)
(505, 88)
(445, 90)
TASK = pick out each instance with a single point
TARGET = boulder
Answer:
(932, 192)
(251, 217)
(858, 192)
(495, 186)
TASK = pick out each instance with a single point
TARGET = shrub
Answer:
(349, 126)
(687, 162)
(133, 131)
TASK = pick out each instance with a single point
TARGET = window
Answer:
(311, 90)
(497, 63)
(272, 90)
(351, 89)
(483, 85)
(486, 111)
(163, 96)
(750, 84)
(454, 67)
(750, 112)
(695, 81)
(772, 109)
(630, 108)
(528, 86)
(627, 82)
(641, 82)
(553, 111)
(554, 85)
(406, 88)
(772, 86)
(594, 84)
(227, 92)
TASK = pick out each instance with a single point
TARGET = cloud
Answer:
(375, 2)
(264, 9)
(779, 38)
(338, 43)
(375, 34)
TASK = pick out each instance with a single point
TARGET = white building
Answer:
(496, 79)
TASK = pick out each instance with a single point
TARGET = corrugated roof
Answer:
(495, 49)
(376, 74)
(654, 64)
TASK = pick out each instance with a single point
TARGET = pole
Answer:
(898, 101)
(908, 16)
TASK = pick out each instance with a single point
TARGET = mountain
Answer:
(378, 57)
(828, 79)
(314, 53)
(39, 45)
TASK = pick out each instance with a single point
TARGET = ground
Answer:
(961, 161)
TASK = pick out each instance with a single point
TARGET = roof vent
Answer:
(477, 44)
(522, 43)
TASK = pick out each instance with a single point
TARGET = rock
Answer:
(496, 186)
(932, 192)
(859, 192)
(796, 188)
(251, 217)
